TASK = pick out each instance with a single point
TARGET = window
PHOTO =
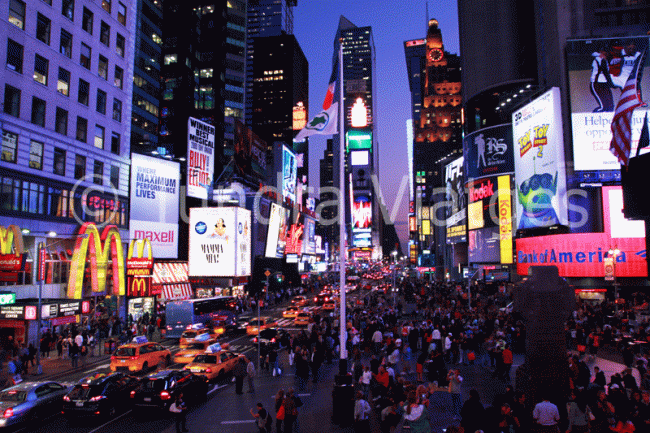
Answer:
(117, 110)
(12, 101)
(106, 5)
(101, 101)
(87, 21)
(41, 66)
(105, 34)
(84, 92)
(119, 77)
(17, 13)
(38, 111)
(82, 129)
(115, 143)
(102, 67)
(47, 2)
(36, 155)
(14, 56)
(43, 27)
(120, 44)
(65, 44)
(79, 166)
(115, 176)
(99, 137)
(59, 161)
(61, 124)
(9, 146)
(63, 85)
(121, 13)
(98, 172)
(84, 56)
(171, 58)
(67, 9)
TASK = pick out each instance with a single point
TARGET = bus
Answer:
(181, 314)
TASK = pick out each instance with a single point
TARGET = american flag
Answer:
(621, 144)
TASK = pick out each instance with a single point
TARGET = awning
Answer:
(170, 273)
(176, 292)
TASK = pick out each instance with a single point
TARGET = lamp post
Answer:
(394, 254)
(613, 253)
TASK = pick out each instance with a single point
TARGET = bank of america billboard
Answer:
(154, 207)
(598, 70)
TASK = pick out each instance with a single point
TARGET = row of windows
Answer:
(12, 100)
(17, 12)
(41, 65)
(66, 203)
(36, 151)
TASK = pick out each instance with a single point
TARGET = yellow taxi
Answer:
(329, 306)
(300, 301)
(214, 363)
(302, 319)
(255, 325)
(140, 355)
(189, 335)
(200, 345)
(290, 312)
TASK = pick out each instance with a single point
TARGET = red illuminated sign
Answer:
(30, 312)
(85, 307)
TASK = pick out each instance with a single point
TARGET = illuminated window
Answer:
(99, 137)
(17, 13)
(36, 155)
(207, 73)
(41, 66)
(171, 58)
(121, 13)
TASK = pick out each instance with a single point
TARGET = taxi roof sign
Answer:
(213, 348)
(202, 337)
(140, 339)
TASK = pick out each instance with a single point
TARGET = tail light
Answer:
(66, 398)
(255, 340)
(8, 413)
(133, 358)
(132, 395)
(208, 370)
(164, 395)
(97, 398)
(113, 358)
(273, 340)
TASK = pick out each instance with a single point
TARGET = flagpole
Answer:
(343, 367)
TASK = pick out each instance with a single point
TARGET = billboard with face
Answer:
(598, 70)
(539, 162)
(219, 242)
(276, 239)
(488, 151)
(289, 174)
(456, 202)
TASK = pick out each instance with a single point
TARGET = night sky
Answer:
(315, 24)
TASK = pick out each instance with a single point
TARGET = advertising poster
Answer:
(456, 211)
(154, 203)
(361, 212)
(289, 174)
(309, 244)
(483, 245)
(598, 70)
(200, 158)
(295, 236)
(488, 151)
(539, 162)
(277, 234)
(219, 239)
(482, 210)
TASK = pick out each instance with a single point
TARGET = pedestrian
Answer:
(578, 414)
(239, 371)
(472, 413)
(91, 344)
(364, 381)
(546, 416)
(74, 354)
(83, 352)
(263, 418)
(362, 411)
(291, 404)
(59, 346)
(250, 370)
(273, 361)
(506, 365)
(31, 354)
(455, 382)
(416, 414)
(179, 408)
(279, 410)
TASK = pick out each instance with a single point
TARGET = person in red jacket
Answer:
(507, 363)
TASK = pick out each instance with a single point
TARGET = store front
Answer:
(137, 307)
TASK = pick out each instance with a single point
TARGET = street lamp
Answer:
(613, 253)
(394, 254)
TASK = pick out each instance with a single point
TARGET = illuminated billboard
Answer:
(539, 162)
(361, 212)
(598, 70)
(309, 244)
(295, 236)
(488, 152)
(359, 157)
(483, 245)
(456, 210)
(219, 242)
(289, 174)
(299, 117)
(276, 238)
(200, 158)
(154, 199)
(359, 140)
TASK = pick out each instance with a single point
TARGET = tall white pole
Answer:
(342, 210)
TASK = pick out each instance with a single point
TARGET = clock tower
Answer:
(435, 48)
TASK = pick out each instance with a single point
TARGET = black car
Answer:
(277, 337)
(159, 390)
(100, 394)
(241, 323)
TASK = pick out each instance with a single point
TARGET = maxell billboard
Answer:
(200, 158)
(220, 241)
(154, 204)
(456, 202)
(598, 70)
(539, 162)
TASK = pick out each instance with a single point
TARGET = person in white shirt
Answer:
(547, 416)
(179, 409)
(362, 411)
(79, 339)
(364, 381)
(377, 339)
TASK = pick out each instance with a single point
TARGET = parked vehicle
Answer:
(159, 390)
(30, 402)
(99, 395)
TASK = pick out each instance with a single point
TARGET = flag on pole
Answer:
(644, 139)
(621, 144)
(325, 122)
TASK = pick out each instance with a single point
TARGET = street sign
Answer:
(267, 272)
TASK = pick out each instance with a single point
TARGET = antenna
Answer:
(427, 12)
